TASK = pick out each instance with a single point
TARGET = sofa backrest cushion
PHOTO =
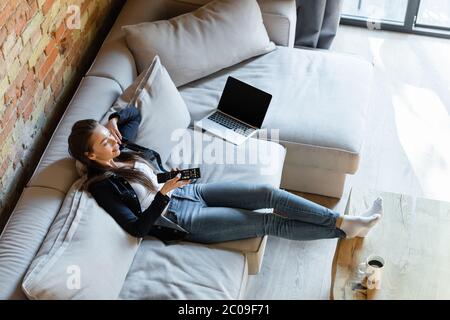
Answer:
(196, 44)
(85, 255)
(164, 114)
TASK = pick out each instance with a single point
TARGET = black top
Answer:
(118, 198)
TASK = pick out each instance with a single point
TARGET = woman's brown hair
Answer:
(79, 143)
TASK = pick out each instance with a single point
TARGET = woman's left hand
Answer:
(112, 127)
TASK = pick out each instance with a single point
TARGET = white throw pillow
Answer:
(164, 113)
(85, 255)
(196, 44)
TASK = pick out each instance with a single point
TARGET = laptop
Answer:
(240, 112)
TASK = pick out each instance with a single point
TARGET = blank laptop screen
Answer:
(244, 102)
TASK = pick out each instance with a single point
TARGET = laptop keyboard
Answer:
(232, 124)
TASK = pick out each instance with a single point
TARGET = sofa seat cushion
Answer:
(320, 101)
(170, 272)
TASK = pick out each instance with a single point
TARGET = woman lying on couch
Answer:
(124, 184)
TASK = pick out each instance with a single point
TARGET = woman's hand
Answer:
(112, 127)
(173, 183)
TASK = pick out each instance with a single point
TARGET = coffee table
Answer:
(414, 239)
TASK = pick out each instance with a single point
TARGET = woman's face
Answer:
(103, 145)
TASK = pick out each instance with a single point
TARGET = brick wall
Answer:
(45, 48)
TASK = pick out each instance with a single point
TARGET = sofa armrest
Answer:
(279, 16)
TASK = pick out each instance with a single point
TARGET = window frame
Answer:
(410, 24)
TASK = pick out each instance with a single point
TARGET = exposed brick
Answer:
(3, 34)
(10, 99)
(33, 25)
(29, 80)
(26, 53)
(44, 69)
(59, 32)
(33, 7)
(84, 6)
(4, 85)
(11, 24)
(41, 103)
(6, 144)
(21, 17)
(57, 87)
(36, 38)
(28, 109)
(49, 104)
(4, 164)
(48, 78)
(13, 70)
(5, 13)
(13, 52)
(40, 3)
(39, 63)
(45, 26)
(58, 82)
(38, 50)
(47, 5)
(60, 13)
(34, 71)
(21, 76)
(9, 43)
(2, 68)
(55, 8)
(21, 106)
(50, 46)
(17, 133)
(39, 92)
(9, 125)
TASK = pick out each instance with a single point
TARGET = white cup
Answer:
(374, 267)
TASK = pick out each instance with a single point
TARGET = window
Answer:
(429, 17)
(434, 13)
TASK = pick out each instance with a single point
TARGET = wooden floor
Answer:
(407, 150)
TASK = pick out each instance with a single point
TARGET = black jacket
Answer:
(118, 198)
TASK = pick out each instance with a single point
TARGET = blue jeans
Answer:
(223, 211)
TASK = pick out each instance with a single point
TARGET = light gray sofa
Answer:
(320, 101)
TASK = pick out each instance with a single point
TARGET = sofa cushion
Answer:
(319, 102)
(23, 235)
(163, 111)
(191, 46)
(116, 62)
(279, 17)
(185, 271)
(85, 255)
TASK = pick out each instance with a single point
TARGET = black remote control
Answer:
(186, 174)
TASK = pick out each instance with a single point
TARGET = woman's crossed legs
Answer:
(229, 214)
